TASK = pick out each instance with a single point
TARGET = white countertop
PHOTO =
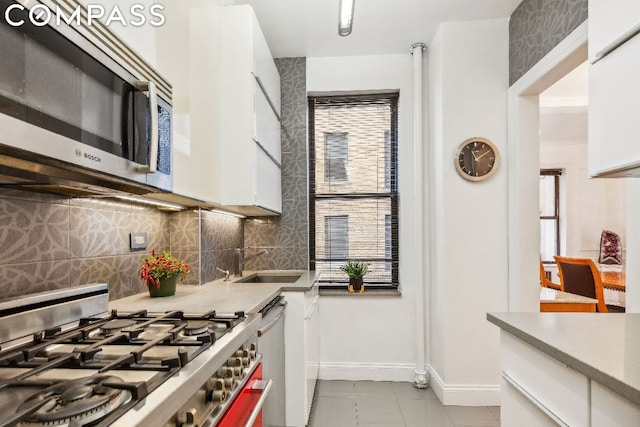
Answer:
(603, 346)
(224, 297)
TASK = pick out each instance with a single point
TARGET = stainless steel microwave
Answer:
(79, 106)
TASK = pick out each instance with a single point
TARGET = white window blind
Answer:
(336, 231)
(336, 157)
(353, 186)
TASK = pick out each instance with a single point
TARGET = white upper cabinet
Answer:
(188, 53)
(614, 88)
(609, 21)
(249, 138)
(266, 122)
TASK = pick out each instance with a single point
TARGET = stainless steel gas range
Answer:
(65, 360)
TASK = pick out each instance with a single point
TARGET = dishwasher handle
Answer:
(271, 324)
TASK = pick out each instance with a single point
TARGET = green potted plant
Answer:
(162, 272)
(356, 271)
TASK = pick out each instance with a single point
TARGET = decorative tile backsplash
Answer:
(53, 242)
(222, 235)
(32, 231)
(536, 27)
(287, 236)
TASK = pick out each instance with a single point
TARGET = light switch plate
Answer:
(138, 241)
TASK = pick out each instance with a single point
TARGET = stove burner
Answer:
(221, 326)
(114, 326)
(196, 327)
(76, 402)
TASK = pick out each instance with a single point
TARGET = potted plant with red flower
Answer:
(162, 272)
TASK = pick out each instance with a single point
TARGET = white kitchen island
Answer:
(569, 369)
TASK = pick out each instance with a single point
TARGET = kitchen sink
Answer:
(269, 278)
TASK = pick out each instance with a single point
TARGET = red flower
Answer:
(156, 267)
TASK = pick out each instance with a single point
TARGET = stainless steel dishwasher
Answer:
(271, 346)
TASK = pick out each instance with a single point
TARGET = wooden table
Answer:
(614, 284)
(554, 300)
(613, 280)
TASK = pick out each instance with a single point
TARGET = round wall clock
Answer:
(476, 159)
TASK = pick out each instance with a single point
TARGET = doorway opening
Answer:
(524, 160)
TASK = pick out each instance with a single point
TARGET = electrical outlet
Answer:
(138, 241)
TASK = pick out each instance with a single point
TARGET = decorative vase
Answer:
(356, 285)
(167, 287)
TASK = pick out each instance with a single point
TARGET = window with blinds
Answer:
(353, 186)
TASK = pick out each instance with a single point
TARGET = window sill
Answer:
(366, 293)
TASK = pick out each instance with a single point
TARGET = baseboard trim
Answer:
(367, 371)
(464, 394)
(449, 394)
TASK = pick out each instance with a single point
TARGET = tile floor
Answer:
(391, 404)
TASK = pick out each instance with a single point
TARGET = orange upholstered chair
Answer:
(580, 276)
(546, 282)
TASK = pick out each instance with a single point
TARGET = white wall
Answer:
(604, 199)
(371, 337)
(468, 82)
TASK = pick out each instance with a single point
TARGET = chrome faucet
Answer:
(242, 259)
(226, 273)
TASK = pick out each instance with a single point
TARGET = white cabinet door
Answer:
(517, 409)
(312, 349)
(250, 123)
(614, 106)
(609, 20)
(266, 123)
(264, 68)
(609, 409)
(550, 384)
(268, 192)
(188, 53)
(302, 354)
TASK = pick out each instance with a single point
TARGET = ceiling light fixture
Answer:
(346, 17)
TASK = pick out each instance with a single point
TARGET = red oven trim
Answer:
(240, 410)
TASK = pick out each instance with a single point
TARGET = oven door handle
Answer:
(256, 410)
(271, 324)
(150, 87)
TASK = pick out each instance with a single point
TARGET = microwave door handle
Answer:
(150, 87)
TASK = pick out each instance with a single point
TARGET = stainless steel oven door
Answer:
(68, 101)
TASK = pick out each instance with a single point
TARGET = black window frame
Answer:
(556, 173)
(391, 192)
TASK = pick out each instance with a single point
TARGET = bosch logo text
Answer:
(92, 158)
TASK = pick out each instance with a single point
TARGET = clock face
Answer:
(476, 159)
